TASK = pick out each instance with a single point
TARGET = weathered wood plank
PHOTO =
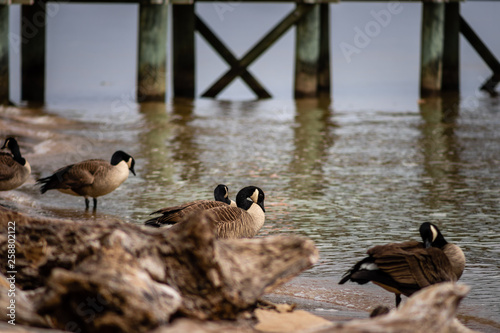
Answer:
(141, 277)
(451, 47)
(16, 2)
(485, 54)
(190, 2)
(4, 54)
(313, 1)
(152, 55)
(307, 45)
(183, 44)
(258, 49)
(226, 54)
(33, 22)
(312, 53)
(324, 75)
(439, 65)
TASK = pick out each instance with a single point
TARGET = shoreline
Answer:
(353, 302)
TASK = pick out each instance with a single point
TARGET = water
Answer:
(364, 169)
(346, 179)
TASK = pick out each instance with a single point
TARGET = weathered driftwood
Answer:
(11, 297)
(116, 277)
(432, 309)
(111, 276)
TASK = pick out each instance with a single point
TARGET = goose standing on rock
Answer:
(404, 268)
(14, 169)
(243, 221)
(91, 178)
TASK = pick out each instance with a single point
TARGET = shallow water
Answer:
(348, 179)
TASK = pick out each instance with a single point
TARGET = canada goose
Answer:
(243, 221)
(221, 193)
(14, 169)
(90, 178)
(404, 268)
(172, 215)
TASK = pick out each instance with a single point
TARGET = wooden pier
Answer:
(439, 66)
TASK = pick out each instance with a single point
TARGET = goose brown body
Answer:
(90, 178)
(175, 214)
(404, 268)
(243, 221)
(14, 169)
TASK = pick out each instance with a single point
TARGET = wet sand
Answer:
(325, 298)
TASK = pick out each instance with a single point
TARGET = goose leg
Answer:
(95, 203)
(398, 299)
(86, 203)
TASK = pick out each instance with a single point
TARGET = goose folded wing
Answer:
(175, 214)
(80, 175)
(412, 265)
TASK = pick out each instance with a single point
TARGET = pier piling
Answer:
(184, 20)
(4, 54)
(33, 23)
(152, 55)
(439, 58)
(439, 65)
(312, 53)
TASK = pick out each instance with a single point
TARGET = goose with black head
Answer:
(90, 178)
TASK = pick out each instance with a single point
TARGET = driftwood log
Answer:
(117, 277)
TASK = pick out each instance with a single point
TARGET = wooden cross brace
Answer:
(239, 67)
(486, 55)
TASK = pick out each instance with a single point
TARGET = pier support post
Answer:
(312, 53)
(4, 54)
(33, 22)
(152, 57)
(439, 65)
(183, 29)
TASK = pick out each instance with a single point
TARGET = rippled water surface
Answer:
(347, 179)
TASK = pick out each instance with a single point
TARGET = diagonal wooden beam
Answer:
(226, 54)
(490, 84)
(258, 49)
(483, 51)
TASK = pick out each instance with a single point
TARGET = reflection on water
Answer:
(346, 179)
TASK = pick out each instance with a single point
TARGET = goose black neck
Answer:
(244, 202)
(119, 156)
(16, 152)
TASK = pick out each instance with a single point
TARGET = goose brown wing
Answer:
(83, 173)
(411, 265)
(175, 214)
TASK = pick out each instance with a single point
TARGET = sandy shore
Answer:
(327, 299)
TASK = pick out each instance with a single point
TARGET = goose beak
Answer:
(262, 206)
(132, 169)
